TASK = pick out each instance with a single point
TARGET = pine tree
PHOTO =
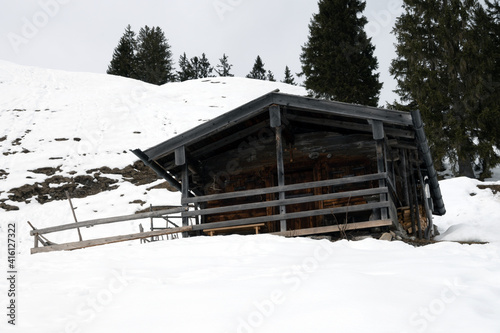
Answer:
(443, 68)
(270, 76)
(186, 70)
(224, 68)
(205, 69)
(123, 62)
(337, 60)
(289, 77)
(258, 72)
(154, 58)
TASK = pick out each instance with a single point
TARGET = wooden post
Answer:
(36, 241)
(180, 160)
(379, 136)
(405, 177)
(74, 215)
(416, 209)
(275, 121)
(152, 223)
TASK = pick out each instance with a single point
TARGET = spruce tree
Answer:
(270, 76)
(337, 60)
(443, 68)
(195, 66)
(154, 58)
(186, 70)
(205, 69)
(224, 68)
(289, 77)
(123, 62)
(258, 72)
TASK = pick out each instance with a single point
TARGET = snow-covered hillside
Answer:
(68, 125)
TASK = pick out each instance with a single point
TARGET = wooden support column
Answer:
(379, 136)
(180, 160)
(275, 121)
(404, 167)
(416, 210)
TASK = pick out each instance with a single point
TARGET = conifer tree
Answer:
(205, 69)
(224, 68)
(444, 68)
(337, 60)
(258, 72)
(270, 76)
(289, 77)
(186, 70)
(123, 62)
(154, 58)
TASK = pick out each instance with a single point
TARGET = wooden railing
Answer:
(107, 240)
(384, 203)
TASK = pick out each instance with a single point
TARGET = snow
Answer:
(258, 283)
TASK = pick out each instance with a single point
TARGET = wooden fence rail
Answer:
(184, 210)
(107, 240)
(286, 188)
(123, 218)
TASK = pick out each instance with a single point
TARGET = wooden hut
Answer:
(293, 165)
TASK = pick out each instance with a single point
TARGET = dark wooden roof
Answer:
(291, 102)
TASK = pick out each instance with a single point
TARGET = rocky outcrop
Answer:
(78, 186)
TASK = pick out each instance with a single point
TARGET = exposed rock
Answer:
(8, 207)
(386, 236)
(494, 188)
(47, 170)
(137, 173)
(78, 187)
(141, 202)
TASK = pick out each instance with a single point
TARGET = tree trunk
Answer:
(465, 167)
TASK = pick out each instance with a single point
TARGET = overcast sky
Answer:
(80, 35)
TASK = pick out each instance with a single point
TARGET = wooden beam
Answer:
(185, 192)
(280, 166)
(343, 109)
(334, 228)
(297, 215)
(74, 215)
(286, 202)
(158, 169)
(91, 223)
(396, 132)
(180, 156)
(378, 130)
(293, 187)
(404, 167)
(274, 116)
(381, 168)
(108, 240)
